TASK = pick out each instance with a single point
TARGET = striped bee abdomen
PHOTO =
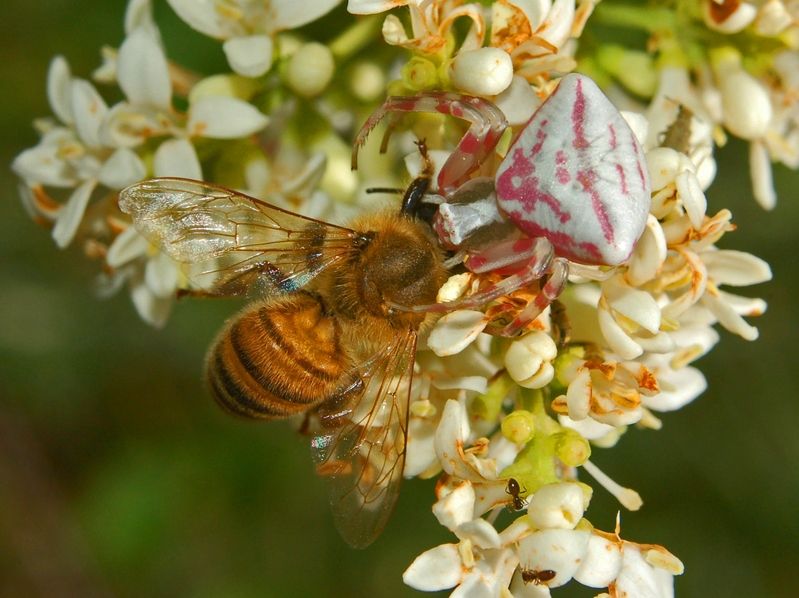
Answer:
(278, 358)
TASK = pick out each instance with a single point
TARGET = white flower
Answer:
(249, 26)
(536, 33)
(557, 506)
(529, 359)
(481, 564)
(72, 155)
(625, 314)
(152, 275)
(142, 73)
(431, 21)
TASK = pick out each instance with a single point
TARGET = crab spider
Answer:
(573, 186)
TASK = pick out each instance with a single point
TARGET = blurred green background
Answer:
(119, 477)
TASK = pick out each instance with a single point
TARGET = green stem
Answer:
(632, 16)
(356, 37)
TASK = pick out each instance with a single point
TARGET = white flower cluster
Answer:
(506, 422)
(92, 151)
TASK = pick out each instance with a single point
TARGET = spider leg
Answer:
(487, 123)
(558, 275)
(538, 257)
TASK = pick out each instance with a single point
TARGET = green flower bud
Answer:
(419, 74)
(519, 426)
(310, 69)
(572, 448)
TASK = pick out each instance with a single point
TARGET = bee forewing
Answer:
(222, 235)
(364, 458)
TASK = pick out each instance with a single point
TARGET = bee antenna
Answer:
(384, 190)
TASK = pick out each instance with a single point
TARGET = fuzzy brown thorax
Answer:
(398, 263)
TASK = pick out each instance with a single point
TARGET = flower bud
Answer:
(572, 449)
(720, 17)
(419, 73)
(310, 69)
(745, 101)
(528, 360)
(558, 506)
(367, 81)
(482, 72)
(518, 427)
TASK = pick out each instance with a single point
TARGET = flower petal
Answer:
(736, 268)
(728, 317)
(436, 569)
(44, 163)
(649, 254)
(677, 389)
(130, 126)
(177, 157)
(88, 110)
(128, 245)
(602, 563)
(762, 176)
(557, 506)
(139, 15)
(59, 79)
(161, 275)
(123, 168)
(558, 23)
(518, 102)
(152, 309)
(456, 508)
(202, 16)
(142, 71)
(452, 431)
(617, 338)
(290, 14)
(371, 7)
(220, 117)
(70, 216)
(559, 550)
(589, 428)
(250, 55)
(578, 395)
(480, 532)
(420, 454)
(455, 331)
(693, 199)
(635, 305)
(637, 578)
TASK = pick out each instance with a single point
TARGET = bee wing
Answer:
(363, 457)
(227, 240)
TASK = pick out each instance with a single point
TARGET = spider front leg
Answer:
(487, 125)
(523, 261)
(557, 276)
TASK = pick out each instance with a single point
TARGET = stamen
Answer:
(628, 497)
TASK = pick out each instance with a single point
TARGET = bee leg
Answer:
(487, 125)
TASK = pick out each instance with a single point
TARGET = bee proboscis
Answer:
(323, 338)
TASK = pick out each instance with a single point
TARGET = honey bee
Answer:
(324, 338)
(538, 577)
